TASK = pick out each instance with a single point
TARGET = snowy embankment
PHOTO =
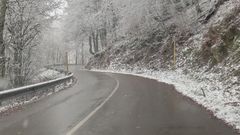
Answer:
(209, 94)
(16, 103)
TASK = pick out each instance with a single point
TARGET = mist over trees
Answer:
(103, 22)
(34, 35)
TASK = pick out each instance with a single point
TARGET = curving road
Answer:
(113, 104)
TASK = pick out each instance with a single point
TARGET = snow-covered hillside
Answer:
(201, 58)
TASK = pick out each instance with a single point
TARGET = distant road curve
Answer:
(113, 104)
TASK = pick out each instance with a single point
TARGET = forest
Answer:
(35, 34)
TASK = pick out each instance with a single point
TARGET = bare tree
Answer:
(25, 20)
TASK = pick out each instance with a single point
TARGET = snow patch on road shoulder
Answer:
(15, 103)
(212, 96)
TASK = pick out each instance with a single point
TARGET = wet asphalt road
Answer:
(56, 114)
(139, 107)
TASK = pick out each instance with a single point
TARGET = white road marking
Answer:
(82, 122)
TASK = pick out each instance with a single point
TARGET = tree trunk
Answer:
(91, 45)
(96, 46)
(3, 7)
(94, 42)
(103, 37)
(18, 79)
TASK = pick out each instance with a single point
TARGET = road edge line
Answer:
(83, 121)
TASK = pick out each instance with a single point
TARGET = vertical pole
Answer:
(83, 54)
(66, 61)
(76, 59)
(174, 53)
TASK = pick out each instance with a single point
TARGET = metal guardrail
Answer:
(34, 88)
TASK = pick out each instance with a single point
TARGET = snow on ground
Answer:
(47, 74)
(224, 106)
(14, 106)
(4, 84)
